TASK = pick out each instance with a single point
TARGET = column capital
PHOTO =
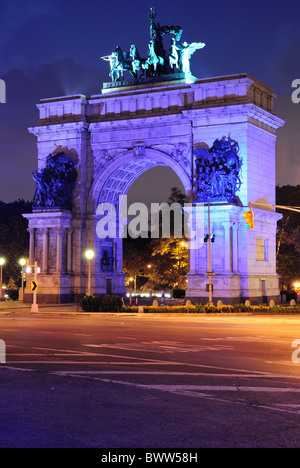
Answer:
(59, 230)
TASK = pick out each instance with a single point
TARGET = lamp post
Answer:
(89, 255)
(179, 258)
(134, 283)
(2, 262)
(22, 263)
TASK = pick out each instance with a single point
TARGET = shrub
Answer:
(179, 293)
(107, 303)
(13, 294)
(110, 303)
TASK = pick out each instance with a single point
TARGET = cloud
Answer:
(282, 64)
(15, 14)
(18, 150)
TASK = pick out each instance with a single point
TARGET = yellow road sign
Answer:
(34, 285)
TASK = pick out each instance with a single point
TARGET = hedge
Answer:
(111, 303)
(209, 309)
(107, 303)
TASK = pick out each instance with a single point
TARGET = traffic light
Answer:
(249, 219)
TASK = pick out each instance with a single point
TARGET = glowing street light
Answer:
(297, 287)
(89, 255)
(134, 283)
(2, 262)
(180, 250)
(22, 262)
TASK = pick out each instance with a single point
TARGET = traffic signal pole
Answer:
(210, 274)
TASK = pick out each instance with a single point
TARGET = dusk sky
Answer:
(53, 48)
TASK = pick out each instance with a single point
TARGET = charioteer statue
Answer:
(159, 61)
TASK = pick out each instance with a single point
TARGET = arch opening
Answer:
(121, 185)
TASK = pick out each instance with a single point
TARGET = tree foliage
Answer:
(169, 264)
(14, 238)
(288, 237)
(167, 257)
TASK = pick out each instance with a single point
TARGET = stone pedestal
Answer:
(51, 249)
(241, 269)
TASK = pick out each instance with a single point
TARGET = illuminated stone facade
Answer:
(115, 137)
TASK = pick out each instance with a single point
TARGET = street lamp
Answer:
(297, 288)
(179, 258)
(134, 283)
(89, 255)
(2, 262)
(22, 262)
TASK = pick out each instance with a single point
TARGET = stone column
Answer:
(45, 232)
(118, 256)
(235, 246)
(194, 222)
(69, 250)
(227, 248)
(59, 238)
(31, 245)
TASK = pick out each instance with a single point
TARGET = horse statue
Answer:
(154, 60)
(123, 64)
(137, 61)
(119, 64)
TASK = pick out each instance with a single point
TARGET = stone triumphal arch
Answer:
(92, 148)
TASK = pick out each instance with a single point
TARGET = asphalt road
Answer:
(149, 382)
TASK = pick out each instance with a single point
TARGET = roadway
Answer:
(139, 381)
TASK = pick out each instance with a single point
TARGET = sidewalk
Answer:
(18, 308)
(12, 307)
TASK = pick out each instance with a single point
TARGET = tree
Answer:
(169, 264)
(14, 238)
(136, 257)
(158, 263)
(288, 237)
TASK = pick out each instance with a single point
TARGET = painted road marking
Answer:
(164, 373)
(162, 348)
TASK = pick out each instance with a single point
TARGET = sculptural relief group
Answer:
(160, 61)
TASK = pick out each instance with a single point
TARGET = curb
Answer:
(55, 314)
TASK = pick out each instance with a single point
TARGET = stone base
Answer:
(235, 300)
(233, 289)
(50, 298)
(52, 289)
(164, 80)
